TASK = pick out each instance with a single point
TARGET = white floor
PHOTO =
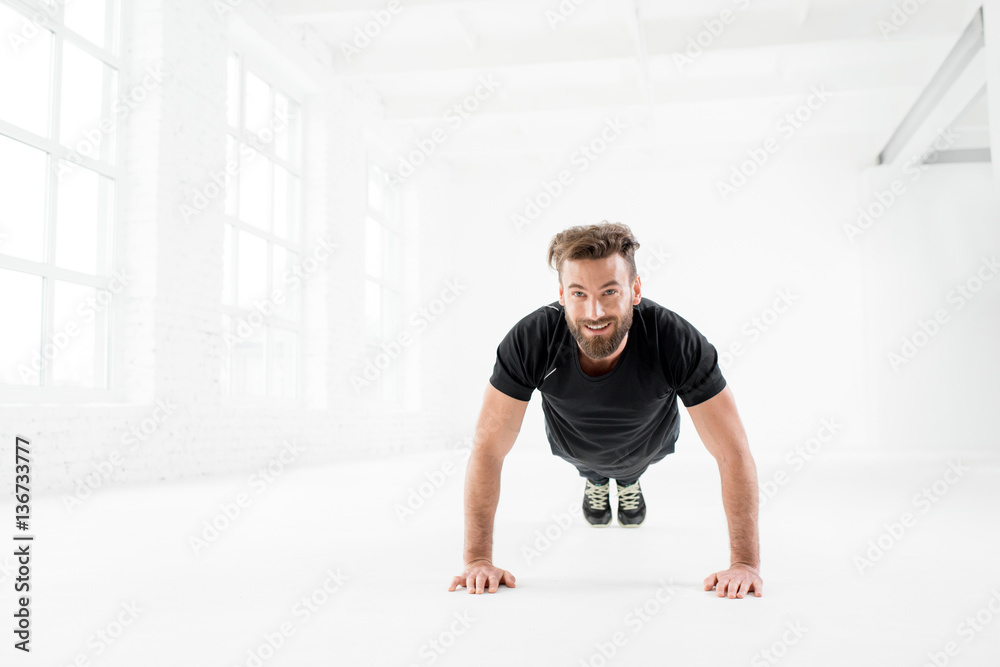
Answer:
(634, 593)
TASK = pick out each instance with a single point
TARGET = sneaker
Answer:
(631, 506)
(596, 507)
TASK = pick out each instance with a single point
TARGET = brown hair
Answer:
(594, 242)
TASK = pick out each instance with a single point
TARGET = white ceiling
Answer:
(619, 57)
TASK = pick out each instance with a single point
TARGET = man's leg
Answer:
(595, 477)
(631, 504)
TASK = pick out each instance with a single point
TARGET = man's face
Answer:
(598, 293)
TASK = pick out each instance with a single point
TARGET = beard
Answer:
(601, 345)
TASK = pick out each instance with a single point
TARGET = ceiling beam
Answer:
(897, 69)
(991, 21)
(955, 85)
(663, 40)
(634, 22)
(321, 11)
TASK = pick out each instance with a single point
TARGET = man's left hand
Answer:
(737, 581)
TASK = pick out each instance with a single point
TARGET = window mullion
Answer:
(48, 314)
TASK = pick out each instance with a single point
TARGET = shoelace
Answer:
(629, 497)
(597, 495)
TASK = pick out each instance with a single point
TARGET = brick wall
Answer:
(170, 419)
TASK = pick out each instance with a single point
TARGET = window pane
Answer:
(294, 132)
(287, 221)
(25, 66)
(373, 310)
(282, 362)
(391, 203)
(228, 262)
(86, 18)
(390, 313)
(85, 199)
(258, 105)
(227, 358)
(21, 335)
(393, 258)
(285, 282)
(281, 122)
(233, 91)
(373, 248)
(376, 189)
(22, 191)
(78, 335)
(287, 124)
(252, 285)
(232, 168)
(255, 191)
(82, 95)
(294, 207)
(281, 201)
(247, 365)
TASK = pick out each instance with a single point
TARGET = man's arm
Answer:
(499, 424)
(718, 424)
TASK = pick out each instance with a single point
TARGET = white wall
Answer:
(942, 236)
(784, 231)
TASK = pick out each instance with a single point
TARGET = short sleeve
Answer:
(691, 363)
(520, 358)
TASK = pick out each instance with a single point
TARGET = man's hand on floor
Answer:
(479, 574)
(736, 582)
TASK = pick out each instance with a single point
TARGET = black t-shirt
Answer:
(617, 423)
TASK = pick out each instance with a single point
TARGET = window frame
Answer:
(51, 18)
(230, 310)
(389, 219)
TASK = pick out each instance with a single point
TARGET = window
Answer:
(262, 296)
(383, 278)
(59, 168)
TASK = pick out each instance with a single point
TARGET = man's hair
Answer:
(594, 242)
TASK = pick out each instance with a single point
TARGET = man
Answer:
(610, 367)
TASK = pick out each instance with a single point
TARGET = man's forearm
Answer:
(740, 500)
(482, 493)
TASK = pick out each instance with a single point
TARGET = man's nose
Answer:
(594, 310)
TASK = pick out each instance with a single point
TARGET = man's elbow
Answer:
(735, 456)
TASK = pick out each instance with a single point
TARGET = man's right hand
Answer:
(478, 574)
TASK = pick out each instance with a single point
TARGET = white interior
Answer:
(476, 217)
